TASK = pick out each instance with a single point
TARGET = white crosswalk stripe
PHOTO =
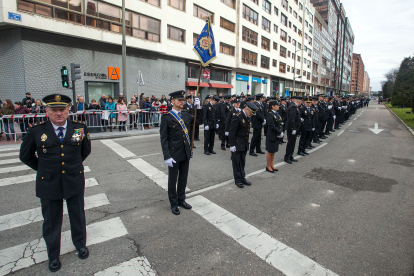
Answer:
(135, 266)
(9, 161)
(31, 253)
(18, 219)
(15, 169)
(9, 148)
(9, 154)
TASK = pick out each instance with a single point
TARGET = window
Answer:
(282, 67)
(308, 76)
(288, 68)
(274, 46)
(306, 36)
(299, 32)
(218, 75)
(315, 67)
(300, 6)
(310, 28)
(283, 19)
(298, 71)
(250, 14)
(283, 35)
(227, 24)
(295, 15)
(299, 45)
(288, 53)
(195, 38)
(293, 57)
(275, 28)
(152, 2)
(274, 63)
(145, 27)
(230, 3)
(249, 36)
(202, 13)
(300, 19)
(282, 51)
(255, 1)
(310, 41)
(265, 43)
(226, 49)
(306, 23)
(249, 57)
(289, 39)
(178, 4)
(324, 61)
(299, 58)
(285, 4)
(266, 6)
(265, 61)
(176, 34)
(290, 24)
(290, 9)
(265, 24)
(293, 42)
(276, 11)
(295, 29)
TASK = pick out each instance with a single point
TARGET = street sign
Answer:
(206, 74)
(15, 16)
(191, 92)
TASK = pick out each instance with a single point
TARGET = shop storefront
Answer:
(242, 84)
(256, 85)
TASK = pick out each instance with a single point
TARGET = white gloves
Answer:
(339, 108)
(294, 132)
(169, 162)
(218, 120)
(206, 128)
(233, 149)
(281, 135)
(283, 124)
(217, 126)
(226, 133)
(197, 103)
(334, 117)
(329, 106)
(264, 123)
(313, 129)
(302, 120)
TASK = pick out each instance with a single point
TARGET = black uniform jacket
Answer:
(315, 116)
(59, 165)
(274, 123)
(307, 124)
(239, 132)
(173, 139)
(230, 115)
(190, 111)
(283, 113)
(224, 111)
(322, 111)
(293, 118)
(210, 116)
(258, 119)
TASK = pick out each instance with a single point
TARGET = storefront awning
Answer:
(219, 85)
(193, 83)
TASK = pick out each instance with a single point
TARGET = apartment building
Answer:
(357, 84)
(367, 87)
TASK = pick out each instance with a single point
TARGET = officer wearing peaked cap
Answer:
(210, 122)
(258, 121)
(224, 111)
(306, 126)
(292, 128)
(56, 149)
(175, 144)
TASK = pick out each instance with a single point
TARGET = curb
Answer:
(409, 129)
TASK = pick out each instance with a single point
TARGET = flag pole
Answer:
(195, 109)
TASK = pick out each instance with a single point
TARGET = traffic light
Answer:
(64, 74)
(75, 72)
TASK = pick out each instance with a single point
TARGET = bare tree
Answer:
(391, 75)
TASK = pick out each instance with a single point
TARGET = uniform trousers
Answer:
(197, 132)
(176, 190)
(256, 140)
(190, 132)
(52, 211)
(224, 140)
(304, 138)
(238, 160)
(329, 124)
(321, 128)
(209, 140)
(290, 146)
(310, 137)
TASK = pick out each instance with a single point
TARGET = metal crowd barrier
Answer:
(95, 120)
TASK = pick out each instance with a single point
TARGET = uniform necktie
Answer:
(309, 110)
(179, 114)
(60, 134)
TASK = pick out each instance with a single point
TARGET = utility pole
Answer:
(124, 71)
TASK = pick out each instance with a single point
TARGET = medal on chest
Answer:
(43, 138)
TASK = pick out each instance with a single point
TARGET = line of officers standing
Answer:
(231, 117)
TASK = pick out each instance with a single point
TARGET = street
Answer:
(345, 209)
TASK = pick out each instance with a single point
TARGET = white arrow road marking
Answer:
(375, 129)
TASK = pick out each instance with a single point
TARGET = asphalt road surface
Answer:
(345, 209)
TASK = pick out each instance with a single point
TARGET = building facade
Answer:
(367, 87)
(357, 84)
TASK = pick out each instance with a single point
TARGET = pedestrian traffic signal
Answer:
(75, 72)
(64, 74)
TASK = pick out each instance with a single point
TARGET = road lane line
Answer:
(350, 124)
(118, 149)
(159, 177)
(355, 119)
(342, 131)
(279, 255)
(14, 153)
(9, 161)
(25, 178)
(9, 148)
(135, 266)
(15, 169)
(248, 175)
(18, 219)
(31, 253)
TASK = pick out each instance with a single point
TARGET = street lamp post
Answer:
(294, 70)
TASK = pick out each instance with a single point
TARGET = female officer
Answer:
(274, 125)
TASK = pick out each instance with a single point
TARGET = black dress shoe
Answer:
(207, 153)
(305, 152)
(322, 137)
(194, 146)
(269, 170)
(223, 147)
(240, 185)
(280, 142)
(301, 153)
(83, 253)
(310, 147)
(213, 152)
(288, 161)
(283, 142)
(332, 130)
(261, 152)
(253, 154)
(54, 265)
(293, 159)
(174, 210)
(247, 183)
(185, 205)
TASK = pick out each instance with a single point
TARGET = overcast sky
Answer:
(384, 34)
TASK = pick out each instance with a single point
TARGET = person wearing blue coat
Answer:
(109, 105)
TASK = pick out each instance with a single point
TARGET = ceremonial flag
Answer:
(205, 48)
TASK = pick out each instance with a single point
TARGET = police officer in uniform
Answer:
(175, 143)
(274, 133)
(322, 117)
(306, 126)
(239, 142)
(258, 121)
(210, 122)
(189, 108)
(283, 113)
(292, 127)
(56, 149)
(28, 101)
(224, 111)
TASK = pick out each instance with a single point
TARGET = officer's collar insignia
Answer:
(243, 121)
(43, 138)
(209, 107)
(88, 136)
(58, 98)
